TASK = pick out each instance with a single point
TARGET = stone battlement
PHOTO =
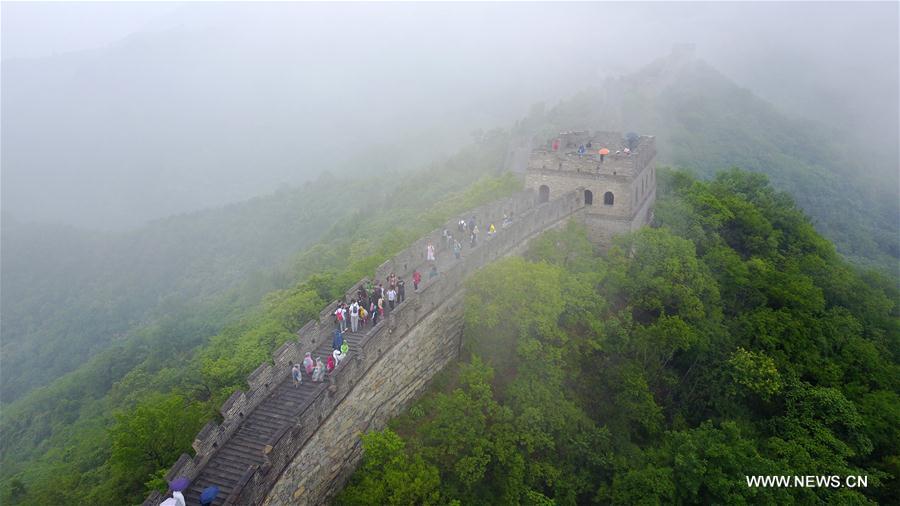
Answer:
(529, 218)
(568, 158)
(619, 187)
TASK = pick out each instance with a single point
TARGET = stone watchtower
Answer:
(616, 174)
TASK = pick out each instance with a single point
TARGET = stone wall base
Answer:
(328, 459)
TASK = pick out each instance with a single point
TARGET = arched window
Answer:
(588, 198)
(608, 199)
(544, 193)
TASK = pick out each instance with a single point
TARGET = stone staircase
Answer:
(265, 427)
(245, 448)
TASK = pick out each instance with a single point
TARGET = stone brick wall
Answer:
(418, 339)
(564, 182)
(435, 340)
(260, 384)
(328, 458)
(631, 181)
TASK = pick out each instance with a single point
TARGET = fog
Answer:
(115, 114)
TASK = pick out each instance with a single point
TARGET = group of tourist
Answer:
(369, 305)
(584, 149)
(470, 227)
(365, 309)
(373, 299)
(317, 369)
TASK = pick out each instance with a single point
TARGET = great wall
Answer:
(279, 444)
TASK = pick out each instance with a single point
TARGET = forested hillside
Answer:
(107, 335)
(71, 293)
(102, 432)
(727, 340)
(705, 122)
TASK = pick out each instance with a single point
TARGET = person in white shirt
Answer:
(392, 297)
(354, 316)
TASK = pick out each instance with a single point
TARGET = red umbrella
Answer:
(603, 151)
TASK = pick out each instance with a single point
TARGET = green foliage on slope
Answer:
(729, 340)
(86, 436)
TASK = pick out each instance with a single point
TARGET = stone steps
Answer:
(278, 410)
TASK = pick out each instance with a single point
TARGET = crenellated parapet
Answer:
(433, 294)
(530, 218)
(616, 173)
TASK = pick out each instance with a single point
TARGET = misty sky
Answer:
(118, 113)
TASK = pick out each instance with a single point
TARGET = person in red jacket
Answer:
(417, 278)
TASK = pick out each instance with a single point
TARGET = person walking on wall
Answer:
(401, 291)
(429, 252)
(457, 249)
(354, 316)
(209, 495)
(337, 340)
(417, 278)
(392, 298)
(318, 371)
(339, 318)
(309, 363)
(297, 375)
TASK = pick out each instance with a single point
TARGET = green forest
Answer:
(76, 293)
(729, 339)
(106, 432)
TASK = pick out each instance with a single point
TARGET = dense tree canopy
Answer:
(95, 435)
(728, 340)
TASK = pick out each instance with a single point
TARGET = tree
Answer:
(509, 300)
(754, 372)
(655, 273)
(389, 476)
(151, 436)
